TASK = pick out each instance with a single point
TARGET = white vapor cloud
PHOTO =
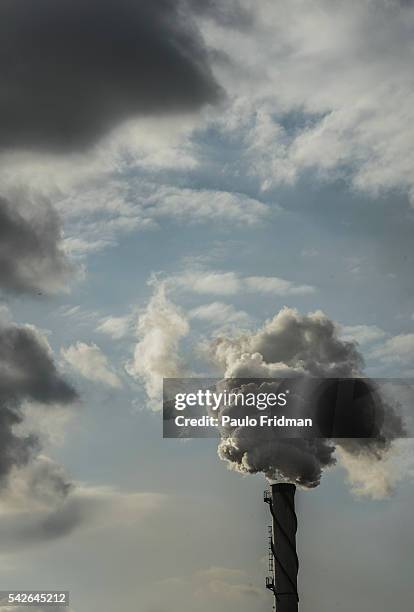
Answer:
(276, 286)
(231, 283)
(397, 349)
(220, 313)
(378, 479)
(323, 85)
(215, 585)
(200, 205)
(91, 363)
(160, 329)
(115, 327)
(291, 345)
(363, 334)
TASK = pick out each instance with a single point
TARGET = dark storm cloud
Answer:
(27, 372)
(14, 450)
(229, 13)
(31, 255)
(27, 369)
(71, 70)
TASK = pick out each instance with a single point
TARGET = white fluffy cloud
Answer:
(363, 334)
(34, 510)
(326, 85)
(160, 329)
(382, 349)
(397, 349)
(116, 188)
(276, 286)
(208, 282)
(206, 205)
(230, 283)
(115, 327)
(91, 363)
(220, 313)
(378, 479)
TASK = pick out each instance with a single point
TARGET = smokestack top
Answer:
(288, 487)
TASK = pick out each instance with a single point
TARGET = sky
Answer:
(175, 176)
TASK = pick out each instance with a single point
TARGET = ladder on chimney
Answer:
(270, 552)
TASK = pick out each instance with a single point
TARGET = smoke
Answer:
(291, 345)
(160, 329)
(368, 477)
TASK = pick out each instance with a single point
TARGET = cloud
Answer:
(363, 334)
(202, 205)
(311, 252)
(115, 327)
(91, 363)
(41, 520)
(99, 215)
(39, 485)
(74, 70)
(231, 283)
(287, 112)
(398, 349)
(5, 314)
(276, 286)
(208, 282)
(220, 313)
(111, 200)
(27, 373)
(160, 329)
(375, 479)
(32, 258)
(77, 315)
(326, 89)
(215, 584)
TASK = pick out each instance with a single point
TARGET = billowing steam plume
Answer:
(291, 345)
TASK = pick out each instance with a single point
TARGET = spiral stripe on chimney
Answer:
(283, 547)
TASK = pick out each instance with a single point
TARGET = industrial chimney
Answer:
(283, 560)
